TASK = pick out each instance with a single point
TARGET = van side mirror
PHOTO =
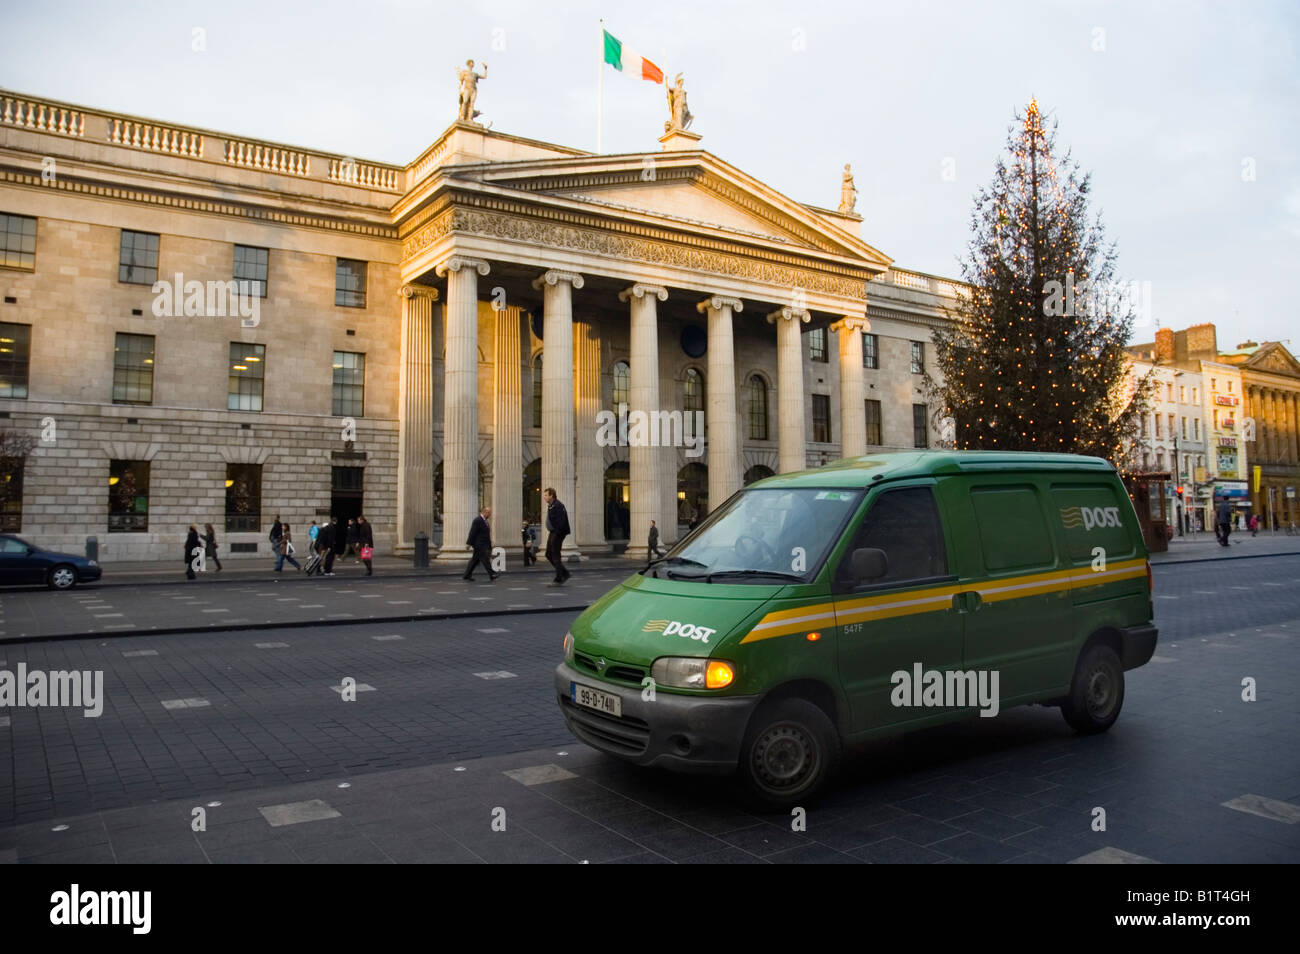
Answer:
(869, 563)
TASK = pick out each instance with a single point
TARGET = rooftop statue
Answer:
(848, 194)
(680, 116)
(469, 90)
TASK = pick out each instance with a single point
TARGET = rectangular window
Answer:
(1182, 394)
(17, 242)
(1229, 387)
(817, 344)
(920, 432)
(15, 352)
(1183, 428)
(247, 371)
(1196, 395)
(11, 495)
(250, 270)
(873, 424)
(1171, 425)
(133, 369)
(243, 497)
(821, 422)
(1013, 534)
(349, 384)
(905, 524)
(138, 262)
(1196, 428)
(350, 283)
(128, 496)
(1214, 384)
(1169, 393)
(870, 354)
(918, 357)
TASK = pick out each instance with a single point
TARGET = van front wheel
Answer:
(1097, 692)
(789, 751)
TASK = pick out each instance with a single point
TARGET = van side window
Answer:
(905, 524)
(1013, 535)
(1092, 516)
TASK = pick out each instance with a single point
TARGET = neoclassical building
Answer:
(198, 327)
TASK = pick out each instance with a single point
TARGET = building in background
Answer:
(208, 328)
(1270, 389)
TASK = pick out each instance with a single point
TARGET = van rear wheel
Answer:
(790, 749)
(1097, 692)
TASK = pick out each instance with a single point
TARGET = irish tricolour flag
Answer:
(627, 60)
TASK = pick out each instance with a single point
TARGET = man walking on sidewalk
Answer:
(1224, 519)
(480, 541)
(325, 540)
(557, 528)
(653, 546)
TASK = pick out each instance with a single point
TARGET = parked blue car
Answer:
(21, 562)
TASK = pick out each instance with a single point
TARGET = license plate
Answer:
(595, 699)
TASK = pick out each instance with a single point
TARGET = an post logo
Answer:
(1086, 518)
(671, 627)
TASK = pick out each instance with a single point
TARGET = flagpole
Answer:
(600, 91)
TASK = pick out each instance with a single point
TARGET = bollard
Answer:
(92, 548)
(421, 550)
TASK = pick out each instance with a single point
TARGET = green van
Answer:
(872, 596)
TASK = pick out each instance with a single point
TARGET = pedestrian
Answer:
(312, 534)
(210, 545)
(366, 544)
(286, 550)
(1224, 521)
(277, 529)
(480, 542)
(353, 538)
(530, 544)
(557, 528)
(1254, 524)
(653, 547)
(191, 546)
(325, 541)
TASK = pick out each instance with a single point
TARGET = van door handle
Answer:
(967, 601)
(975, 601)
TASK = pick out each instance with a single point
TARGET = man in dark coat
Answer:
(325, 541)
(654, 550)
(1225, 521)
(530, 544)
(480, 541)
(557, 528)
(191, 544)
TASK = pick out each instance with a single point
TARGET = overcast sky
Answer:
(1185, 113)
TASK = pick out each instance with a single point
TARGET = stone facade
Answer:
(476, 253)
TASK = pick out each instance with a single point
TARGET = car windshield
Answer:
(763, 536)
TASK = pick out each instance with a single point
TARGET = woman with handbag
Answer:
(286, 552)
(366, 539)
(210, 544)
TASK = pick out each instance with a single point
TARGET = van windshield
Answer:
(762, 536)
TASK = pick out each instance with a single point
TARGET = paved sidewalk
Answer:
(1203, 546)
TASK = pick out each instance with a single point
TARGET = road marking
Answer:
(1239, 587)
(432, 609)
(494, 630)
(448, 592)
(399, 602)
(340, 616)
(499, 674)
(1272, 584)
(1113, 856)
(345, 591)
(121, 626)
(294, 813)
(108, 615)
(372, 596)
(215, 611)
(538, 774)
(1163, 659)
(4, 722)
(271, 645)
(1269, 808)
(519, 589)
(359, 687)
(480, 599)
(287, 599)
(519, 605)
(382, 639)
(185, 703)
(312, 606)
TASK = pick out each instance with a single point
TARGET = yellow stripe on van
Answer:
(933, 599)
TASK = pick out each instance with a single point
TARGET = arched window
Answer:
(693, 391)
(622, 381)
(618, 499)
(537, 390)
(692, 494)
(757, 408)
(757, 472)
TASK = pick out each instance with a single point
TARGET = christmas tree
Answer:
(1034, 359)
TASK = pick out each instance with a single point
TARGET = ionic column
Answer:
(557, 395)
(507, 429)
(853, 386)
(1270, 415)
(589, 492)
(1292, 454)
(643, 396)
(791, 433)
(415, 426)
(460, 405)
(725, 475)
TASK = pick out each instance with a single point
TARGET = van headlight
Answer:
(687, 672)
(568, 647)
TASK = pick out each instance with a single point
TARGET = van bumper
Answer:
(1139, 645)
(682, 733)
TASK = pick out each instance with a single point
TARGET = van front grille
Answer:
(618, 672)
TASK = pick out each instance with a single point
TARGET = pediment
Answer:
(693, 191)
(1274, 358)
